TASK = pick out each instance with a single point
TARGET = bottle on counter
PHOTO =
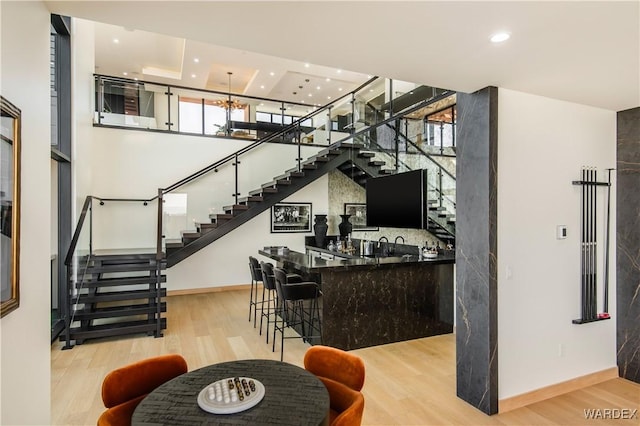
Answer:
(331, 246)
(339, 245)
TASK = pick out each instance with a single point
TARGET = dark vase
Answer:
(320, 229)
(345, 226)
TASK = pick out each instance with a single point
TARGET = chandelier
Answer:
(229, 103)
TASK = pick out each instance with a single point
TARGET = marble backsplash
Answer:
(344, 190)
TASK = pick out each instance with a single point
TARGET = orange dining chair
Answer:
(343, 375)
(125, 387)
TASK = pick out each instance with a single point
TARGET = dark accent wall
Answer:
(628, 247)
(476, 229)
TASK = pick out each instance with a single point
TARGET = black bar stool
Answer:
(270, 295)
(292, 297)
(256, 276)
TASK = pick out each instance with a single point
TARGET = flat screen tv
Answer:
(397, 201)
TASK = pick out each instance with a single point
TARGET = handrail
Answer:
(257, 143)
(76, 234)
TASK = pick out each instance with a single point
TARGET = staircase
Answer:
(346, 157)
(116, 294)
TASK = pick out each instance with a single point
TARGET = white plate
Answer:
(221, 407)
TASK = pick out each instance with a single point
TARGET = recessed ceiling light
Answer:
(310, 95)
(196, 60)
(125, 73)
(500, 37)
(272, 73)
(136, 79)
(307, 65)
(193, 76)
(328, 97)
(327, 79)
(339, 71)
(116, 41)
(261, 103)
(262, 86)
(339, 89)
(302, 101)
(317, 87)
(369, 76)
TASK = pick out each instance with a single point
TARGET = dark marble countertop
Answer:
(312, 263)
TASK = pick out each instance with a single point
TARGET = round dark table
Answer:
(293, 396)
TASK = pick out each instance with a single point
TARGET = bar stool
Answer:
(270, 295)
(256, 276)
(292, 297)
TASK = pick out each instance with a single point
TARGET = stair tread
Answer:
(251, 199)
(366, 154)
(118, 311)
(115, 329)
(122, 281)
(235, 207)
(121, 268)
(112, 296)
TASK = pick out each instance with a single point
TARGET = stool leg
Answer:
(262, 313)
(251, 298)
(270, 311)
(255, 306)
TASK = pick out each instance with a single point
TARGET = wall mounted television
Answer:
(398, 201)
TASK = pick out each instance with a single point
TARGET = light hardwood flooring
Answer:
(407, 383)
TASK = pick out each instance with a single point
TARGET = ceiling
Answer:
(587, 52)
(138, 54)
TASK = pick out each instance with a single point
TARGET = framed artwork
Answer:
(358, 219)
(9, 207)
(291, 217)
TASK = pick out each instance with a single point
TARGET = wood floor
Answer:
(407, 383)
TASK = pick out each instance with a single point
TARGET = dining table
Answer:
(292, 396)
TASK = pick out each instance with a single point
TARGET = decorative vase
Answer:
(320, 229)
(345, 226)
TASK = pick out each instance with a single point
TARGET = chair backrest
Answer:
(335, 364)
(267, 275)
(347, 405)
(140, 378)
(254, 267)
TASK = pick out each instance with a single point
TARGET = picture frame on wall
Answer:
(358, 219)
(10, 147)
(291, 217)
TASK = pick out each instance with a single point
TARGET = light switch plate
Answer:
(561, 232)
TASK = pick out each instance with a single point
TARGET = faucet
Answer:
(396, 242)
(385, 249)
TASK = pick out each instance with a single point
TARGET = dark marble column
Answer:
(628, 247)
(476, 239)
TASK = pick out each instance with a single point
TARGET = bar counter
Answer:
(374, 301)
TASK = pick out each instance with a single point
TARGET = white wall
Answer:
(134, 164)
(82, 68)
(226, 261)
(543, 143)
(25, 333)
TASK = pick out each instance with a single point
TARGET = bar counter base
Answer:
(371, 307)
